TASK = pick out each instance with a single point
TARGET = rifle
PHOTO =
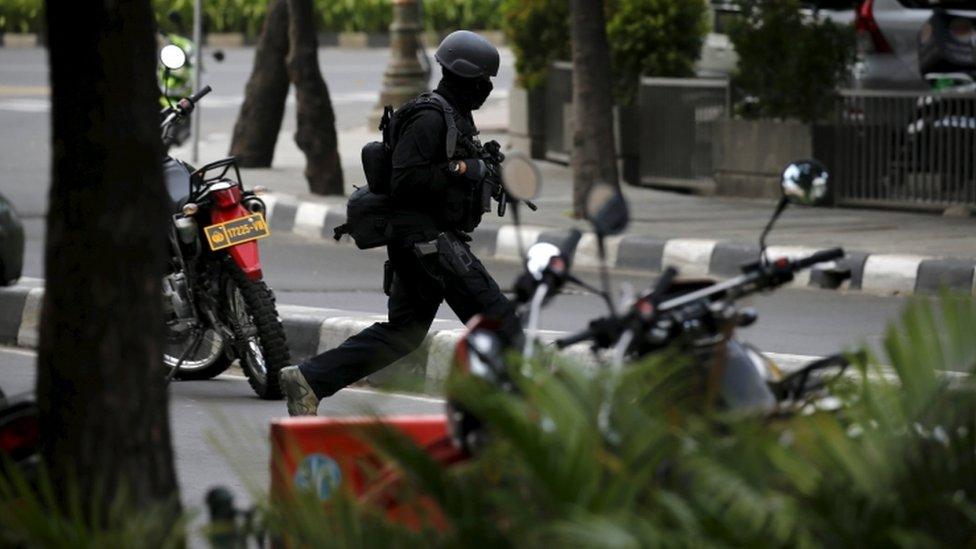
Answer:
(491, 154)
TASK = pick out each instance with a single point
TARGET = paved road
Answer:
(220, 430)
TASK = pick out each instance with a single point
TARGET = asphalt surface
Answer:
(320, 273)
(220, 429)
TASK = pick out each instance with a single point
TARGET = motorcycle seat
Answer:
(177, 179)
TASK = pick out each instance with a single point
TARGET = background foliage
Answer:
(247, 16)
(789, 64)
(639, 459)
(647, 37)
(654, 38)
(538, 32)
(21, 15)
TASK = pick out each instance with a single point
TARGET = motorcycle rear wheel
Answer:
(259, 341)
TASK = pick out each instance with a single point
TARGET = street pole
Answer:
(404, 77)
(197, 60)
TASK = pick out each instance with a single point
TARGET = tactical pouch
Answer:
(453, 254)
(367, 219)
(378, 166)
(388, 278)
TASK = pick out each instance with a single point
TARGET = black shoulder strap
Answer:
(430, 100)
(385, 123)
(452, 130)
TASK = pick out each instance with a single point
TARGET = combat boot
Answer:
(298, 393)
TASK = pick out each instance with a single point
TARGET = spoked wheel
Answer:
(259, 336)
(205, 359)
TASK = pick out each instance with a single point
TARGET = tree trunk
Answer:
(316, 133)
(101, 389)
(258, 124)
(594, 155)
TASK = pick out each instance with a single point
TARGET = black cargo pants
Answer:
(423, 278)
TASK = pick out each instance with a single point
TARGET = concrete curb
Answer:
(886, 274)
(311, 331)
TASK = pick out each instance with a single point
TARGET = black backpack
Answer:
(377, 156)
(369, 209)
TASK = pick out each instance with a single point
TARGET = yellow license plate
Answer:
(236, 231)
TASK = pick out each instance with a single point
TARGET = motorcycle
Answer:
(700, 314)
(217, 306)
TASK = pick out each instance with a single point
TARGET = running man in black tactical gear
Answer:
(429, 258)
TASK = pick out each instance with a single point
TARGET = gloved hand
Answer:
(469, 168)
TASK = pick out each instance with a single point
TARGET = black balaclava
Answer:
(470, 93)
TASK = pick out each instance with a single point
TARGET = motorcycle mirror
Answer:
(804, 182)
(521, 177)
(606, 209)
(172, 56)
(538, 258)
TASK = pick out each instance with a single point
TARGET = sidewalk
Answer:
(889, 252)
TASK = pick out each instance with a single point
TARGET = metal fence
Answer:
(677, 116)
(903, 149)
(559, 119)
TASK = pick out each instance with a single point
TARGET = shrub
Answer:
(538, 32)
(634, 459)
(789, 65)
(449, 15)
(21, 15)
(244, 16)
(354, 15)
(654, 38)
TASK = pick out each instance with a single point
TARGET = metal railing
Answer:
(903, 149)
(677, 116)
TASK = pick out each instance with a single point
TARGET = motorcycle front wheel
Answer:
(259, 338)
(206, 361)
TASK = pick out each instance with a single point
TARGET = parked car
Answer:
(11, 244)
(887, 40)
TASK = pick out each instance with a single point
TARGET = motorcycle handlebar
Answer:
(194, 98)
(586, 334)
(663, 282)
(819, 257)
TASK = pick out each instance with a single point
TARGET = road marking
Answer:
(17, 351)
(407, 396)
(25, 90)
(361, 390)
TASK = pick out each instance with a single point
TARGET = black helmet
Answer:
(468, 55)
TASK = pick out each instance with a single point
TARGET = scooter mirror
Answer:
(606, 209)
(538, 258)
(805, 182)
(521, 177)
(172, 56)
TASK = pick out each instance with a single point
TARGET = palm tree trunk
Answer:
(594, 156)
(258, 124)
(101, 389)
(316, 132)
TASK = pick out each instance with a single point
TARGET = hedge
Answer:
(647, 37)
(247, 16)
